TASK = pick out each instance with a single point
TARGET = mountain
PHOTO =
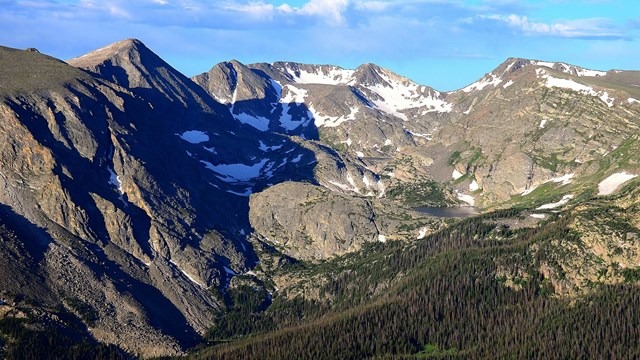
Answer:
(143, 211)
(382, 118)
(140, 182)
(136, 185)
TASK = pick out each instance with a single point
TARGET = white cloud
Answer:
(581, 28)
(117, 11)
(259, 10)
(331, 10)
(376, 6)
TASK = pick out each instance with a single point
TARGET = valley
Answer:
(286, 210)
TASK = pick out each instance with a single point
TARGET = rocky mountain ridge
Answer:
(138, 195)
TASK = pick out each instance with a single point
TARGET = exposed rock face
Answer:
(141, 182)
(311, 222)
(516, 128)
(108, 244)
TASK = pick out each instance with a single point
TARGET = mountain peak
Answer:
(506, 72)
(512, 65)
(98, 56)
(132, 65)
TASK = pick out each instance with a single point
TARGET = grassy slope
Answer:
(26, 71)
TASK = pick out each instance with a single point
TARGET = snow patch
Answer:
(114, 180)
(247, 192)
(266, 148)
(538, 216)
(611, 183)
(382, 238)
(565, 179)
(359, 154)
(467, 198)
(193, 279)
(277, 87)
(258, 122)
(632, 100)
(456, 174)
(587, 72)
(542, 123)
(297, 159)
(422, 233)
(229, 271)
(399, 94)
(507, 84)
(570, 69)
(294, 96)
(488, 80)
(552, 82)
(194, 136)
(334, 76)
(381, 188)
(333, 121)
(236, 172)
(565, 199)
(474, 186)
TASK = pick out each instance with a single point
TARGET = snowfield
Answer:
(565, 199)
(467, 198)
(552, 82)
(611, 183)
(334, 76)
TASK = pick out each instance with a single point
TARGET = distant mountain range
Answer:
(134, 199)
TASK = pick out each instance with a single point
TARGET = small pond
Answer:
(449, 212)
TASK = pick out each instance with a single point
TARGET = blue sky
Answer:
(443, 44)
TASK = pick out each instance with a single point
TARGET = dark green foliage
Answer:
(423, 193)
(86, 312)
(454, 158)
(24, 339)
(441, 298)
(631, 275)
(242, 316)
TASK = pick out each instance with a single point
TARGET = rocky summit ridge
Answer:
(134, 197)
